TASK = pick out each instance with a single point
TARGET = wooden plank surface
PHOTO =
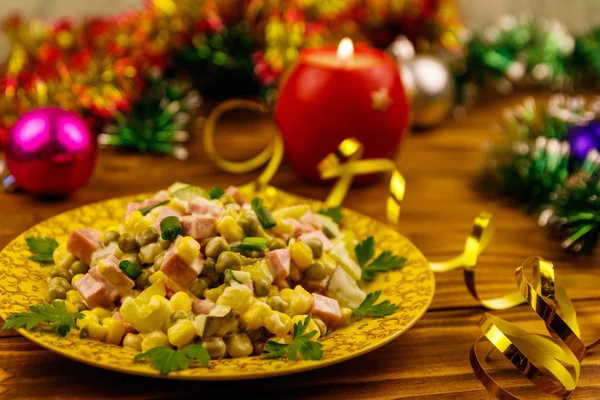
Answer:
(429, 361)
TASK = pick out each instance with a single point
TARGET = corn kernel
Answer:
(157, 276)
(75, 279)
(301, 255)
(273, 291)
(116, 330)
(278, 323)
(300, 302)
(312, 325)
(282, 228)
(214, 294)
(182, 333)
(88, 317)
(136, 223)
(239, 345)
(154, 339)
(96, 331)
(73, 296)
(101, 313)
(230, 229)
(133, 341)
(181, 301)
(286, 294)
(188, 249)
(254, 317)
(346, 316)
(62, 258)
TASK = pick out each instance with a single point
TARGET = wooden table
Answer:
(429, 361)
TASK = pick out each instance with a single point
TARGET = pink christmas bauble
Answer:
(50, 152)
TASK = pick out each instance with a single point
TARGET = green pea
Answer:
(79, 268)
(199, 286)
(127, 243)
(110, 236)
(254, 254)
(158, 262)
(80, 306)
(277, 303)
(132, 258)
(147, 236)
(216, 246)
(228, 260)
(84, 332)
(254, 334)
(215, 346)
(316, 271)
(322, 327)
(55, 293)
(165, 244)
(143, 281)
(179, 314)
(261, 287)
(209, 272)
(227, 199)
(62, 282)
(316, 246)
(276, 243)
(249, 222)
(60, 272)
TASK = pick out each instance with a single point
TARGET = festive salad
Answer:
(195, 274)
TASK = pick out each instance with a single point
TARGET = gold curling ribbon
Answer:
(271, 155)
(346, 163)
(552, 363)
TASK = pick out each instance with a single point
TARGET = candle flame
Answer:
(345, 50)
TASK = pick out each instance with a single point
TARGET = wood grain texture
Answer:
(430, 361)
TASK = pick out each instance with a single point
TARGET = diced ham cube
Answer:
(131, 207)
(164, 213)
(250, 285)
(83, 243)
(127, 325)
(115, 276)
(199, 227)
(111, 293)
(310, 218)
(280, 262)
(300, 228)
(92, 292)
(202, 307)
(235, 193)
(179, 270)
(326, 308)
(317, 235)
(200, 205)
(315, 286)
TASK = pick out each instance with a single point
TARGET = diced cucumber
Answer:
(294, 212)
(190, 192)
(344, 289)
(341, 255)
(329, 227)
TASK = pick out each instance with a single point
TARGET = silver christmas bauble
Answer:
(428, 84)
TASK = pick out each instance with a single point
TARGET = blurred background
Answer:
(576, 14)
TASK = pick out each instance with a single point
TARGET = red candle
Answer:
(335, 93)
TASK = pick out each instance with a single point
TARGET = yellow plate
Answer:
(23, 282)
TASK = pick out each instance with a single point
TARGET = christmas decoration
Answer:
(50, 152)
(549, 163)
(428, 82)
(334, 93)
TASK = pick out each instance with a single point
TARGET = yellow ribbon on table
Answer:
(552, 363)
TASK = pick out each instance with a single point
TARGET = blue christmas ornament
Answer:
(583, 138)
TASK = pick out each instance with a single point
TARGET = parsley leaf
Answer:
(301, 345)
(335, 213)
(368, 308)
(166, 359)
(365, 250)
(147, 209)
(170, 228)
(386, 261)
(42, 248)
(55, 314)
(215, 192)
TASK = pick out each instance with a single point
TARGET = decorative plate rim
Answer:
(291, 367)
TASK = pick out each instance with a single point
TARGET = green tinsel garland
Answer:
(532, 165)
